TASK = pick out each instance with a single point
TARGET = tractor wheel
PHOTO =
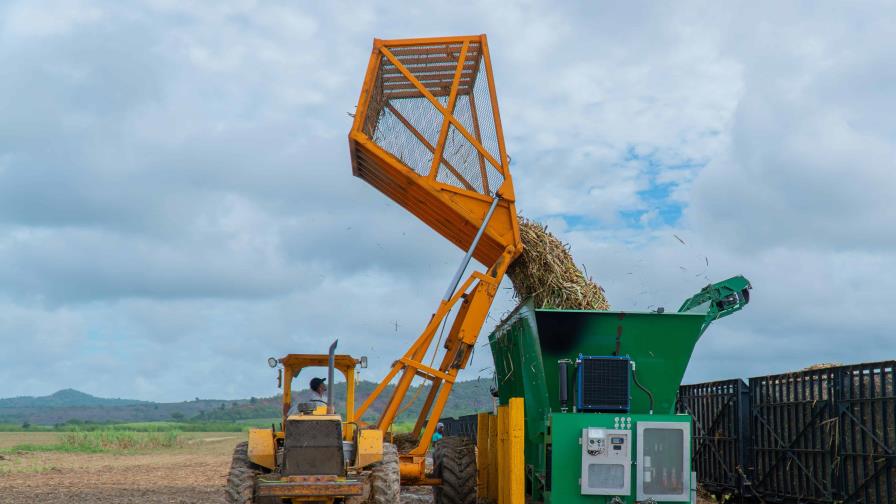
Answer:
(385, 478)
(241, 480)
(454, 461)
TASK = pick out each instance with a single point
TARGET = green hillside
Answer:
(63, 398)
(71, 405)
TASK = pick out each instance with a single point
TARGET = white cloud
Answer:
(175, 188)
(49, 18)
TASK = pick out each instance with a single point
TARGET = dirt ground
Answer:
(193, 474)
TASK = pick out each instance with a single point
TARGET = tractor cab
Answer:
(317, 454)
(293, 364)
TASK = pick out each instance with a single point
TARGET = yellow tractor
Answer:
(316, 455)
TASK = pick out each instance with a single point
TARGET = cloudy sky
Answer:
(177, 204)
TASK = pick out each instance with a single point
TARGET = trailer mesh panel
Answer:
(404, 122)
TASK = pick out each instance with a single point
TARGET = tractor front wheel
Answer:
(454, 462)
(241, 480)
(385, 478)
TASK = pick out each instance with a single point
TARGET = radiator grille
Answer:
(313, 447)
(603, 384)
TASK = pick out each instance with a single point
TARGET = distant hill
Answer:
(466, 397)
(69, 404)
(64, 398)
(66, 405)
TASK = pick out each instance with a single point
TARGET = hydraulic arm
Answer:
(427, 134)
(719, 299)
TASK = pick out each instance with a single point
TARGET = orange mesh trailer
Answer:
(427, 134)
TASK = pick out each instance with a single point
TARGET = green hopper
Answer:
(539, 356)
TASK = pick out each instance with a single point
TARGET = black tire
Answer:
(454, 462)
(385, 478)
(241, 480)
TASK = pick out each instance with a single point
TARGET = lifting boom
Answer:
(427, 134)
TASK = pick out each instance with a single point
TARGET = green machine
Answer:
(599, 392)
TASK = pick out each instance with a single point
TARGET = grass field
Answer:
(187, 426)
(10, 439)
(117, 437)
(112, 441)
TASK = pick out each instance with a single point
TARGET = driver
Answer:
(318, 390)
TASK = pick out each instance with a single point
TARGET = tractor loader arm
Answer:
(427, 134)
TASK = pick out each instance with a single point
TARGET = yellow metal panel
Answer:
(370, 447)
(492, 490)
(503, 428)
(516, 457)
(317, 417)
(349, 396)
(262, 448)
(482, 454)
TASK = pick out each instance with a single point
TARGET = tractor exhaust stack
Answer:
(331, 364)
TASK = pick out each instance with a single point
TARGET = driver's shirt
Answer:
(316, 398)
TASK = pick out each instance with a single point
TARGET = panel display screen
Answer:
(606, 476)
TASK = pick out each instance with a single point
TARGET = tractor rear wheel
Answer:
(454, 461)
(385, 478)
(241, 480)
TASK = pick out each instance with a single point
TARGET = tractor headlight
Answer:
(272, 362)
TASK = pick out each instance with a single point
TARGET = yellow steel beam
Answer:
(429, 40)
(482, 455)
(497, 115)
(516, 463)
(503, 430)
(493, 450)
(427, 370)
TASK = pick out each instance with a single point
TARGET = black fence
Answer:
(816, 436)
(464, 426)
(721, 432)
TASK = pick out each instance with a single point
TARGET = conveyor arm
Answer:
(719, 299)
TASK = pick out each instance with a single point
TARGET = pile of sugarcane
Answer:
(546, 272)
(822, 365)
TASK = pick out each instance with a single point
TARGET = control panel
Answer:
(606, 461)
